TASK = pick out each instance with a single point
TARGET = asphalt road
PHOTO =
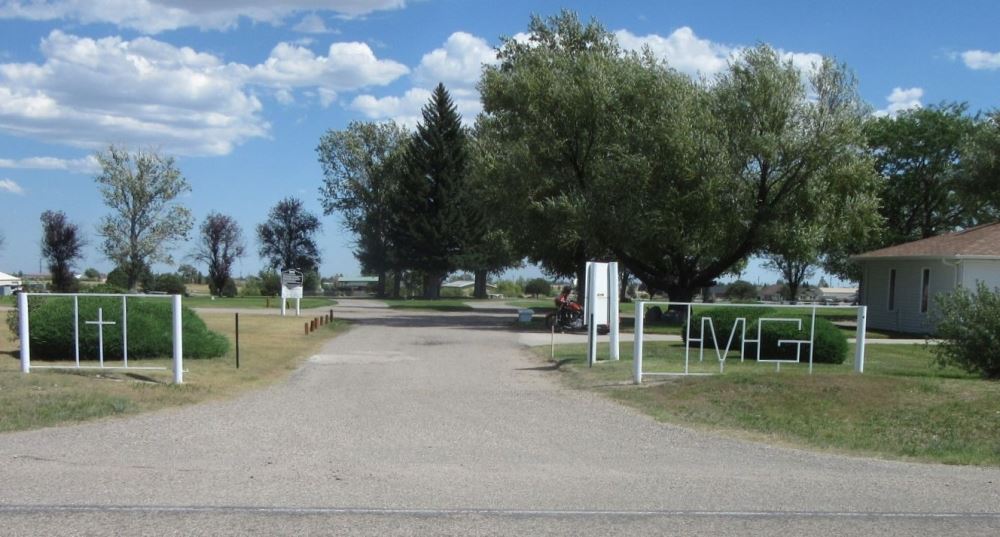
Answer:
(426, 423)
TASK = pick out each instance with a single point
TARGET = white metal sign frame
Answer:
(721, 354)
(601, 307)
(291, 287)
(24, 331)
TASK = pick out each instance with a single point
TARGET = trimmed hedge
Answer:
(150, 325)
(830, 343)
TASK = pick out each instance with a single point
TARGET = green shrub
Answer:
(538, 286)
(251, 287)
(830, 343)
(968, 325)
(170, 284)
(149, 329)
(270, 283)
(741, 291)
(229, 289)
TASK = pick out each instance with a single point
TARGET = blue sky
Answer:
(240, 91)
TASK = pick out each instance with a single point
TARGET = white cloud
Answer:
(312, 24)
(981, 60)
(901, 99)
(459, 62)
(89, 92)
(404, 110)
(153, 16)
(86, 164)
(682, 50)
(8, 185)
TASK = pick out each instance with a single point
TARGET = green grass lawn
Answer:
(441, 304)
(270, 348)
(255, 302)
(901, 407)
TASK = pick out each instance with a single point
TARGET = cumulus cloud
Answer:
(8, 185)
(154, 16)
(87, 164)
(88, 92)
(459, 62)
(981, 60)
(312, 24)
(902, 99)
(682, 50)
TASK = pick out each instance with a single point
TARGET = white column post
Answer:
(859, 341)
(591, 325)
(22, 323)
(298, 307)
(100, 336)
(613, 292)
(282, 300)
(124, 330)
(178, 342)
(76, 329)
(637, 343)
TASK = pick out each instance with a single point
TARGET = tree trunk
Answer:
(397, 283)
(479, 289)
(581, 283)
(380, 287)
(432, 285)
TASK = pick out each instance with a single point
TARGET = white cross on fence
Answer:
(100, 322)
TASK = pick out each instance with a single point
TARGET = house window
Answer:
(892, 290)
(925, 287)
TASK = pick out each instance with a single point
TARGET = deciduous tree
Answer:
(220, 244)
(287, 237)
(62, 244)
(141, 189)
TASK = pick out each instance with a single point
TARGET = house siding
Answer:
(907, 316)
(980, 270)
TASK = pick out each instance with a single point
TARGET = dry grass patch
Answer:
(270, 347)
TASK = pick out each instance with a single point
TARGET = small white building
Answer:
(9, 284)
(899, 283)
(838, 294)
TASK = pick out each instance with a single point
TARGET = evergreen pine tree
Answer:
(433, 219)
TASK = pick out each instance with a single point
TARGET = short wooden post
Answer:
(307, 328)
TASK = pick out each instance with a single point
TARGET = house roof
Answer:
(773, 289)
(358, 279)
(7, 279)
(982, 242)
(464, 284)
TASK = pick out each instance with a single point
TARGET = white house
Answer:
(9, 284)
(899, 283)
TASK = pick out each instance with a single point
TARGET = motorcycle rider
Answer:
(563, 300)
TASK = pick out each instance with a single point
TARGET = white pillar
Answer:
(22, 322)
(282, 300)
(76, 329)
(298, 307)
(859, 350)
(637, 344)
(591, 325)
(178, 342)
(613, 292)
(124, 330)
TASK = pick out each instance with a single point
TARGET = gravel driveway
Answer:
(418, 423)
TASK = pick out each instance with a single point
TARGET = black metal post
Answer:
(237, 341)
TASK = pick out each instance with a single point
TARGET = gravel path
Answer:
(418, 423)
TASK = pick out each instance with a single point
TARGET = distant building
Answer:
(357, 285)
(462, 288)
(9, 284)
(847, 295)
(772, 293)
(899, 283)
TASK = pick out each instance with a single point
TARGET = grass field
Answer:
(255, 302)
(270, 347)
(901, 407)
(441, 304)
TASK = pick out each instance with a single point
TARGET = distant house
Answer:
(9, 284)
(772, 293)
(899, 283)
(357, 285)
(460, 288)
(838, 294)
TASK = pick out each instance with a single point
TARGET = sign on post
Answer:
(291, 287)
(601, 306)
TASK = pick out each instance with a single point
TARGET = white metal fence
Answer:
(24, 331)
(708, 327)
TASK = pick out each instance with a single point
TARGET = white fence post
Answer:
(859, 340)
(637, 344)
(178, 343)
(614, 313)
(22, 313)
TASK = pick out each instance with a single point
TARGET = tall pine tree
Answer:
(434, 220)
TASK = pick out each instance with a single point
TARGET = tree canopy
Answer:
(141, 189)
(62, 244)
(287, 237)
(220, 244)
(614, 154)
